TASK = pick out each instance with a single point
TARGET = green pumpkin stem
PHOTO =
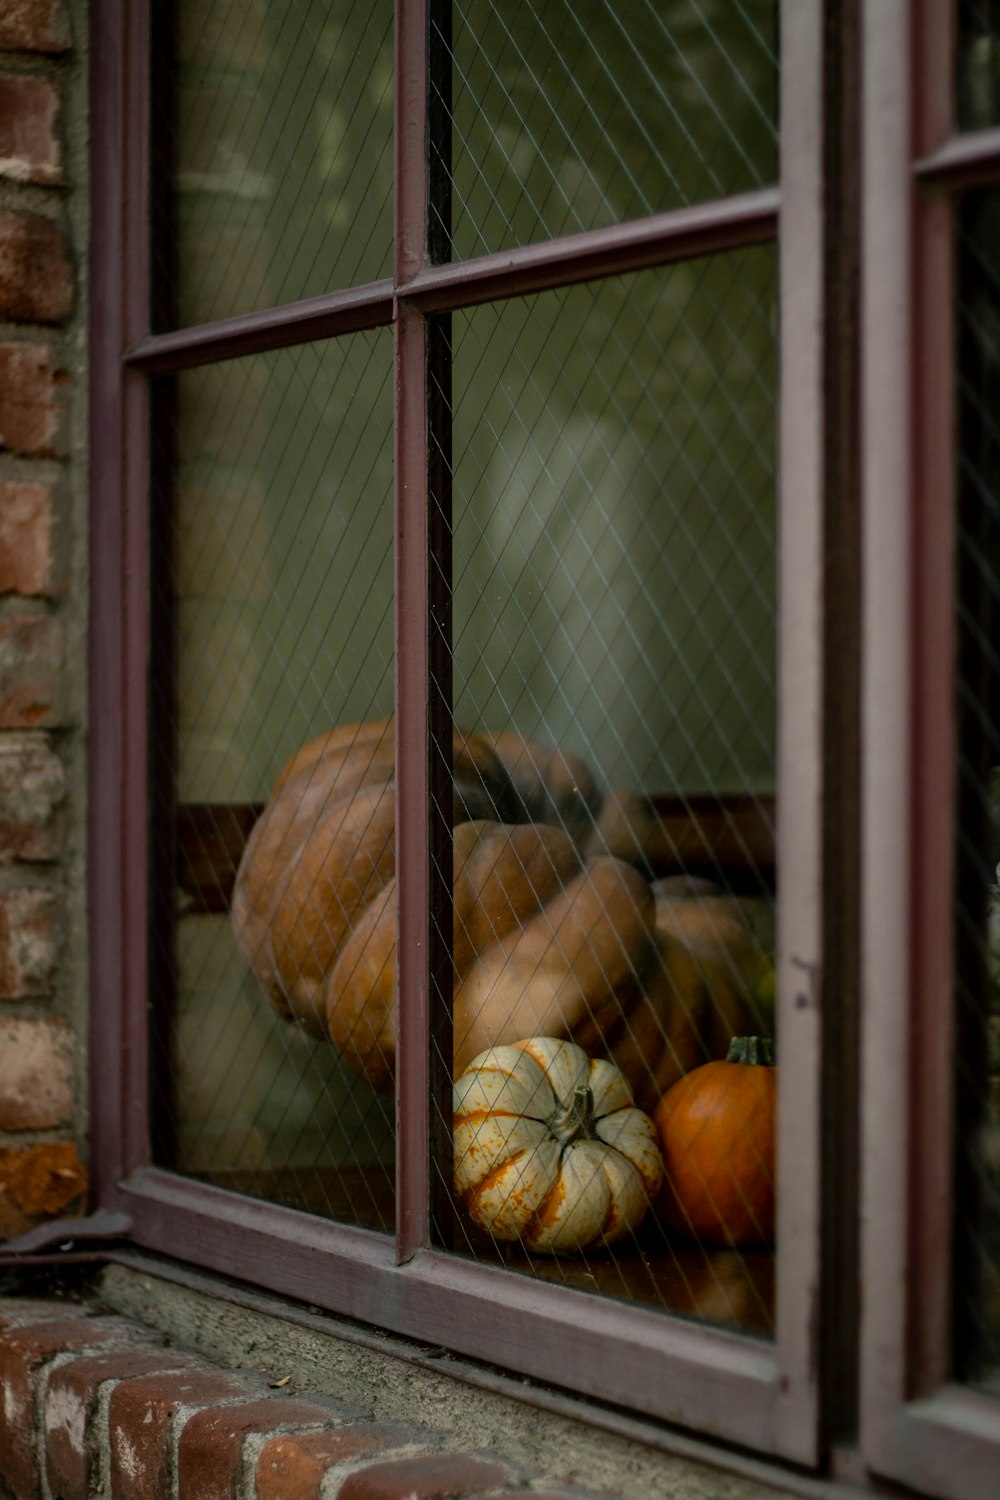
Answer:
(757, 1051)
(575, 1119)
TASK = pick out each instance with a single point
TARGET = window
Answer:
(930, 1259)
(452, 377)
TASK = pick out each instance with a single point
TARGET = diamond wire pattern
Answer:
(977, 910)
(281, 593)
(573, 115)
(614, 596)
(977, 72)
(282, 162)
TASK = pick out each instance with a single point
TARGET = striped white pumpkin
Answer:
(549, 1148)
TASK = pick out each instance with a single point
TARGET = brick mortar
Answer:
(400, 1441)
(40, 1396)
(255, 1444)
(49, 842)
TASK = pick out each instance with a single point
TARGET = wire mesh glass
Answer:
(977, 73)
(571, 116)
(977, 908)
(613, 863)
(272, 127)
(273, 609)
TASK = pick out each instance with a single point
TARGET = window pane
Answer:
(272, 135)
(614, 659)
(978, 73)
(978, 707)
(570, 116)
(274, 614)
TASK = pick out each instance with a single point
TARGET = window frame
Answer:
(730, 1387)
(918, 1425)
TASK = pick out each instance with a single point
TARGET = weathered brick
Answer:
(38, 1182)
(23, 1352)
(28, 943)
(29, 141)
(73, 1450)
(292, 1466)
(30, 400)
(36, 283)
(140, 1417)
(36, 1073)
(448, 1476)
(31, 656)
(32, 791)
(210, 1446)
(26, 539)
(34, 26)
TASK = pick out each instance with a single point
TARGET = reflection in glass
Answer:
(614, 652)
(275, 605)
(273, 130)
(575, 115)
(977, 913)
(978, 64)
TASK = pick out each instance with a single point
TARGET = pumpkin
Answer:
(549, 1149)
(717, 1132)
(554, 934)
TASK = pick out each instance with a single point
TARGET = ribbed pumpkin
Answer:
(718, 1131)
(554, 934)
(549, 1149)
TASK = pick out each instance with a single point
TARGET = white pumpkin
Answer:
(549, 1148)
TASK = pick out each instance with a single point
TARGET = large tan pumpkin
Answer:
(554, 934)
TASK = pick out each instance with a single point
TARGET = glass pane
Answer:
(272, 136)
(978, 71)
(977, 916)
(274, 613)
(570, 116)
(614, 665)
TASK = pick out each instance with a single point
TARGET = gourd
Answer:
(553, 933)
(549, 1149)
(717, 1133)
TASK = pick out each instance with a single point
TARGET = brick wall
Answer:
(96, 1405)
(42, 610)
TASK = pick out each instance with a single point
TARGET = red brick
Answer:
(72, 1448)
(30, 400)
(36, 1073)
(29, 141)
(23, 1352)
(28, 943)
(291, 1467)
(36, 283)
(140, 1417)
(39, 1182)
(34, 26)
(26, 539)
(449, 1476)
(32, 791)
(31, 656)
(210, 1448)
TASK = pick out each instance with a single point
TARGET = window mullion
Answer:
(418, 637)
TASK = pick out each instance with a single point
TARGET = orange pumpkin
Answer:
(717, 1129)
(555, 933)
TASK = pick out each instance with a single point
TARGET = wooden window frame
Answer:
(919, 1425)
(759, 1395)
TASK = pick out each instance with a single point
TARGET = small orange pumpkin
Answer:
(717, 1130)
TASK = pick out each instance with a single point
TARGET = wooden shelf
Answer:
(729, 839)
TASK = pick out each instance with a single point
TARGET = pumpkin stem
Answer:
(574, 1119)
(758, 1051)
